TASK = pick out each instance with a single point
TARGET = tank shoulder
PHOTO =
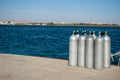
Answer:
(106, 37)
(73, 37)
(89, 37)
(82, 37)
(99, 38)
(77, 35)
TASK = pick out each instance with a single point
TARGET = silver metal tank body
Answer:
(107, 50)
(73, 50)
(99, 47)
(77, 35)
(81, 49)
(89, 46)
(94, 36)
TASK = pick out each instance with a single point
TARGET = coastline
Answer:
(19, 67)
(63, 25)
(57, 23)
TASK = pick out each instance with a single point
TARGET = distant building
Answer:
(7, 23)
(1, 22)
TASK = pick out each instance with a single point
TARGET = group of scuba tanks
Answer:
(90, 51)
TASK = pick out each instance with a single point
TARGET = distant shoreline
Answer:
(55, 23)
(65, 25)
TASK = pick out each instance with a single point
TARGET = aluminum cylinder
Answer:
(81, 50)
(94, 36)
(89, 46)
(107, 50)
(73, 50)
(99, 47)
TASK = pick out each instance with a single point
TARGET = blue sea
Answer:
(47, 41)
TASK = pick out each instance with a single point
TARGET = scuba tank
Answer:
(81, 49)
(94, 36)
(107, 50)
(73, 49)
(89, 46)
(99, 47)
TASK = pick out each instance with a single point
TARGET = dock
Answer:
(20, 67)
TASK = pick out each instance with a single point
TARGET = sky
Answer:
(103, 11)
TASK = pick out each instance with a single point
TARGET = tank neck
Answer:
(106, 33)
(99, 34)
(93, 33)
(73, 32)
(90, 33)
(83, 33)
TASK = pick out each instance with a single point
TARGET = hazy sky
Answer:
(105, 11)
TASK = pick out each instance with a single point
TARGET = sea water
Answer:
(47, 41)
